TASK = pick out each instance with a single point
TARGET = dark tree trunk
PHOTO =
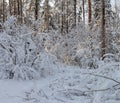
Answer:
(103, 36)
(75, 3)
(89, 12)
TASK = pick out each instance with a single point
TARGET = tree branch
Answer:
(103, 77)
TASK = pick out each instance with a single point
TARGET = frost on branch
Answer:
(20, 56)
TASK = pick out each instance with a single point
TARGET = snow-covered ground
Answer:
(68, 85)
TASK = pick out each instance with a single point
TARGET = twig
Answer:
(2, 46)
(103, 77)
(60, 100)
(118, 83)
(34, 61)
(99, 90)
(44, 94)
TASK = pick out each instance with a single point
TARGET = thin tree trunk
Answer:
(21, 11)
(89, 12)
(10, 8)
(18, 7)
(62, 19)
(36, 9)
(75, 2)
(15, 8)
(47, 15)
(18, 10)
(67, 17)
(103, 36)
(3, 11)
(83, 9)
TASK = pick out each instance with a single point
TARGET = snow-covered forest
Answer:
(59, 51)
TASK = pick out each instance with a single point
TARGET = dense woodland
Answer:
(74, 32)
(59, 51)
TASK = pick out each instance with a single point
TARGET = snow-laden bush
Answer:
(66, 47)
(85, 60)
(22, 55)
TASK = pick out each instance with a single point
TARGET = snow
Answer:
(68, 85)
(32, 68)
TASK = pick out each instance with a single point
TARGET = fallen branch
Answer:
(113, 87)
(84, 93)
(100, 90)
(103, 77)
(60, 100)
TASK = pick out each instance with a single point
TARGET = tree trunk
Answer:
(15, 8)
(83, 9)
(36, 9)
(75, 2)
(10, 8)
(62, 18)
(103, 36)
(67, 17)
(47, 15)
(3, 11)
(89, 12)
(21, 11)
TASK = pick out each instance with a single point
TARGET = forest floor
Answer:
(68, 85)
